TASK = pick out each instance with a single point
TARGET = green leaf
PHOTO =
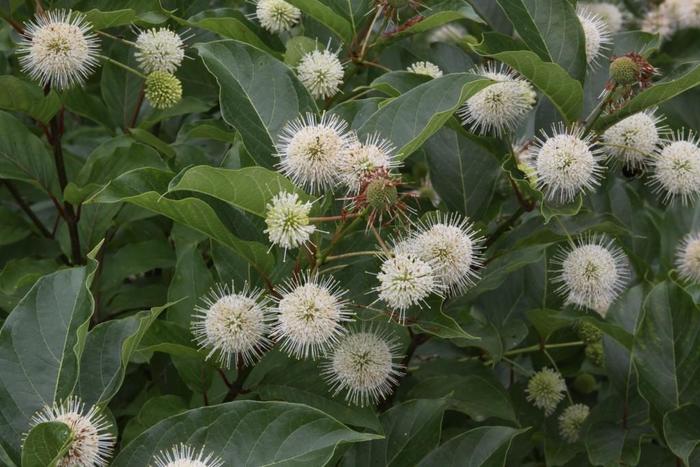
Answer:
(411, 430)
(23, 156)
(41, 343)
(148, 138)
(143, 188)
(249, 189)
(548, 321)
(657, 94)
(410, 119)
(551, 79)
(395, 83)
(120, 89)
(665, 348)
(13, 227)
(21, 96)
(153, 411)
(486, 446)
(682, 432)
(108, 348)
(551, 30)
(109, 19)
(433, 320)
(45, 444)
(248, 433)
(438, 15)
(326, 16)
(245, 76)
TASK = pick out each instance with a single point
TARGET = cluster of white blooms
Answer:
(277, 15)
(287, 220)
(92, 439)
(159, 50)
(546, 389)
(688, 258)
(425, 68)
(405, 280)
(321, 72)
(596, 33)
(671, 15)
(571, 420)
(362, 159)
(183, 455)
(612, 14)
(676, 169)
(636, 140)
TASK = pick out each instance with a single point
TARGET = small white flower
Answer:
(425, 68)
(232, 326)
(182, 455)
(596, 33)
(657, 21)
(688, 258)
(159, 50)
(363, 364)
(571, 420)
(448, 242)
(591, 274)
(676, 170)
(607, 12)
(501, 106)
(321, 72)
(59, 48)
(634, 140)
(92, 443)
(287, 220)
(277, 15)
(450, 32)
(310, 315)
(363, 159)
(545, 390)
(311, 151)
(565, 163)
(405, 280)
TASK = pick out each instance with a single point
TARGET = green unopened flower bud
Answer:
(585, 383)
(381, 194)
(571, 421)
(595, 353)
(587, 332)
(163, 90)
(624, 71)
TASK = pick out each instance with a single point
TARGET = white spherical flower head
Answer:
(688, 258)
(310, 315)
(159, 50)
(59, 48)
(607, 12)
(425, 68)
(311, 151)
(565, 163)
(405, 280)
(571, 420)
(676, 170)
(500, 107)
(596, 33)
(92, 443)
(277, 15)
(287, 220)
(232, 326)
(363, 365)
(448, 242)
(657, 21)
(545, 390)
(321, 72)
(591, 274)
(182, 455)
(361, 160)
(634, 140)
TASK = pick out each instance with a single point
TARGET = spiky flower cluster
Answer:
(596, 33)
(610, 13)
(277, 15)
(183, 455)
(363, 365)
(363, 159)
(321, 72)
(545, 390)
(162, 89)
(635, 140)
(232, 326)
(425, 68)
(310, 313)
(405, 281)
(571, 420)
(59, 49)
(159, 49)
(92, 439)
(287, 220)
(500, 107)
(592, 273)
(565, 163)
(688, 258)
(676, 170)
(670, 16)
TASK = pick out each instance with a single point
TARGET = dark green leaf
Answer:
(486, 446)
(46, 444)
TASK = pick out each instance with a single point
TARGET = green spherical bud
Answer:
(585, 383)
(595, 353)
(624, 70)
(587, 332)
(381, 194)
(163, 90)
